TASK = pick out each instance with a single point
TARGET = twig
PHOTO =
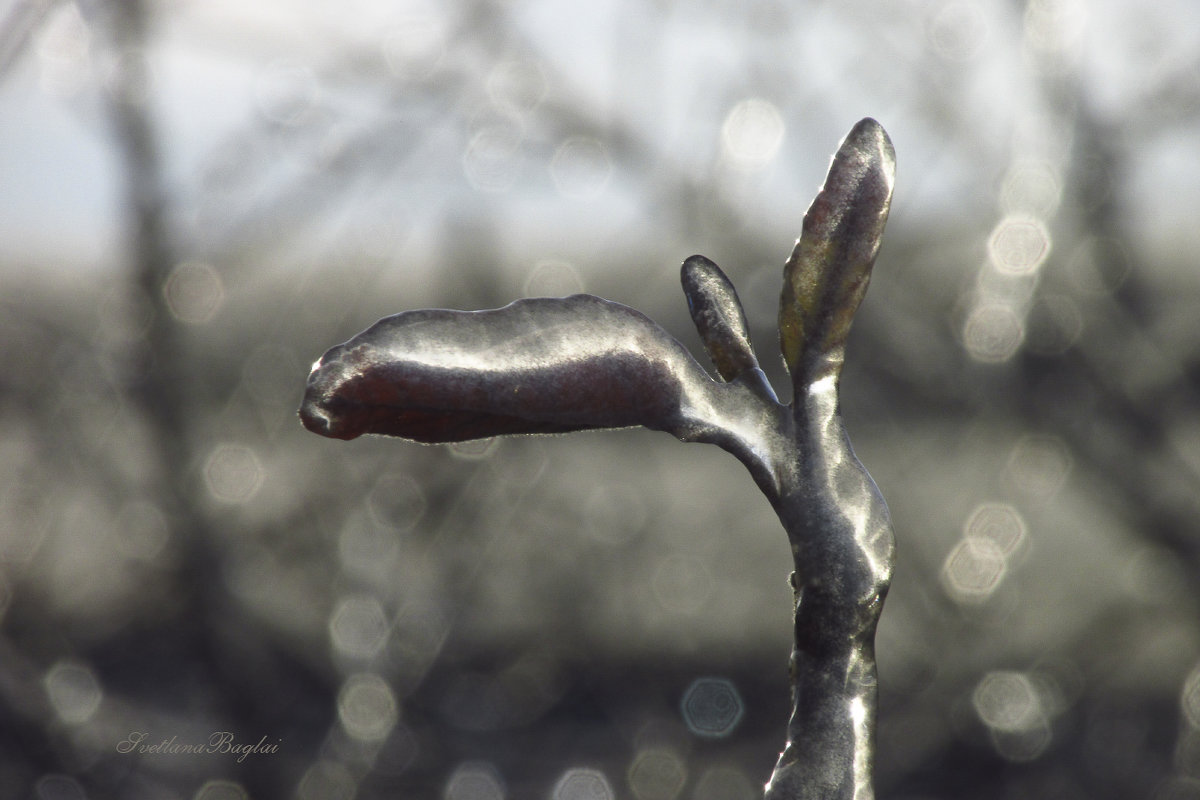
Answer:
(550, 365)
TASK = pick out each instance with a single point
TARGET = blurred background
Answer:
(198, 198)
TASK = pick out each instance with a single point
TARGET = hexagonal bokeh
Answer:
(579, 783)
(974, 569)
(367, 707)
(712, 707)
(1019, 245)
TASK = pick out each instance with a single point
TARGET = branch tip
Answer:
(827, 274)
(719, 317)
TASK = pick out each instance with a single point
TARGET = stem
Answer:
(842, 543)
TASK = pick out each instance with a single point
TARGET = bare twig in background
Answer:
(1025, 449)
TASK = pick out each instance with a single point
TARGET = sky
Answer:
(218, 68)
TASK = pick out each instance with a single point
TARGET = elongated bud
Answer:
(827, 274)
(718, 316)
(545, 365)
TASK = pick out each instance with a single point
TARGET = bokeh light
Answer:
(233, 473)
(581, 167)
(999, 523)
(1014, 709)
(993, 333)
(326, 780)
(415, 46)
(1007, 701)
(358, 627)
(712, 707)
(725, 783)
(958, 30)
(74, 692)
(474, 780)
(1039, 465)
(973, 570)
(657, 774)
(517, 85)
(221, 790)
(1019, 244)
(367, 707)
(994, 534)
(752, 133)
(492, 159)
(581, 783)
(194, 292)
(553, 278)
(1024, 745)
(260, 182)
(396, 501)
(1054, 27)
(1031, 188)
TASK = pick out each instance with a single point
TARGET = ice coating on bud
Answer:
(718, 316)
(544, 365)
(827, 274)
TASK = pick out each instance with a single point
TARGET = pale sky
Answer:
(220, 67)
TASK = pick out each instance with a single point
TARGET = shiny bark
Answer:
(551, 365)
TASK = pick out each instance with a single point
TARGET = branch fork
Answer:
(553, 365)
